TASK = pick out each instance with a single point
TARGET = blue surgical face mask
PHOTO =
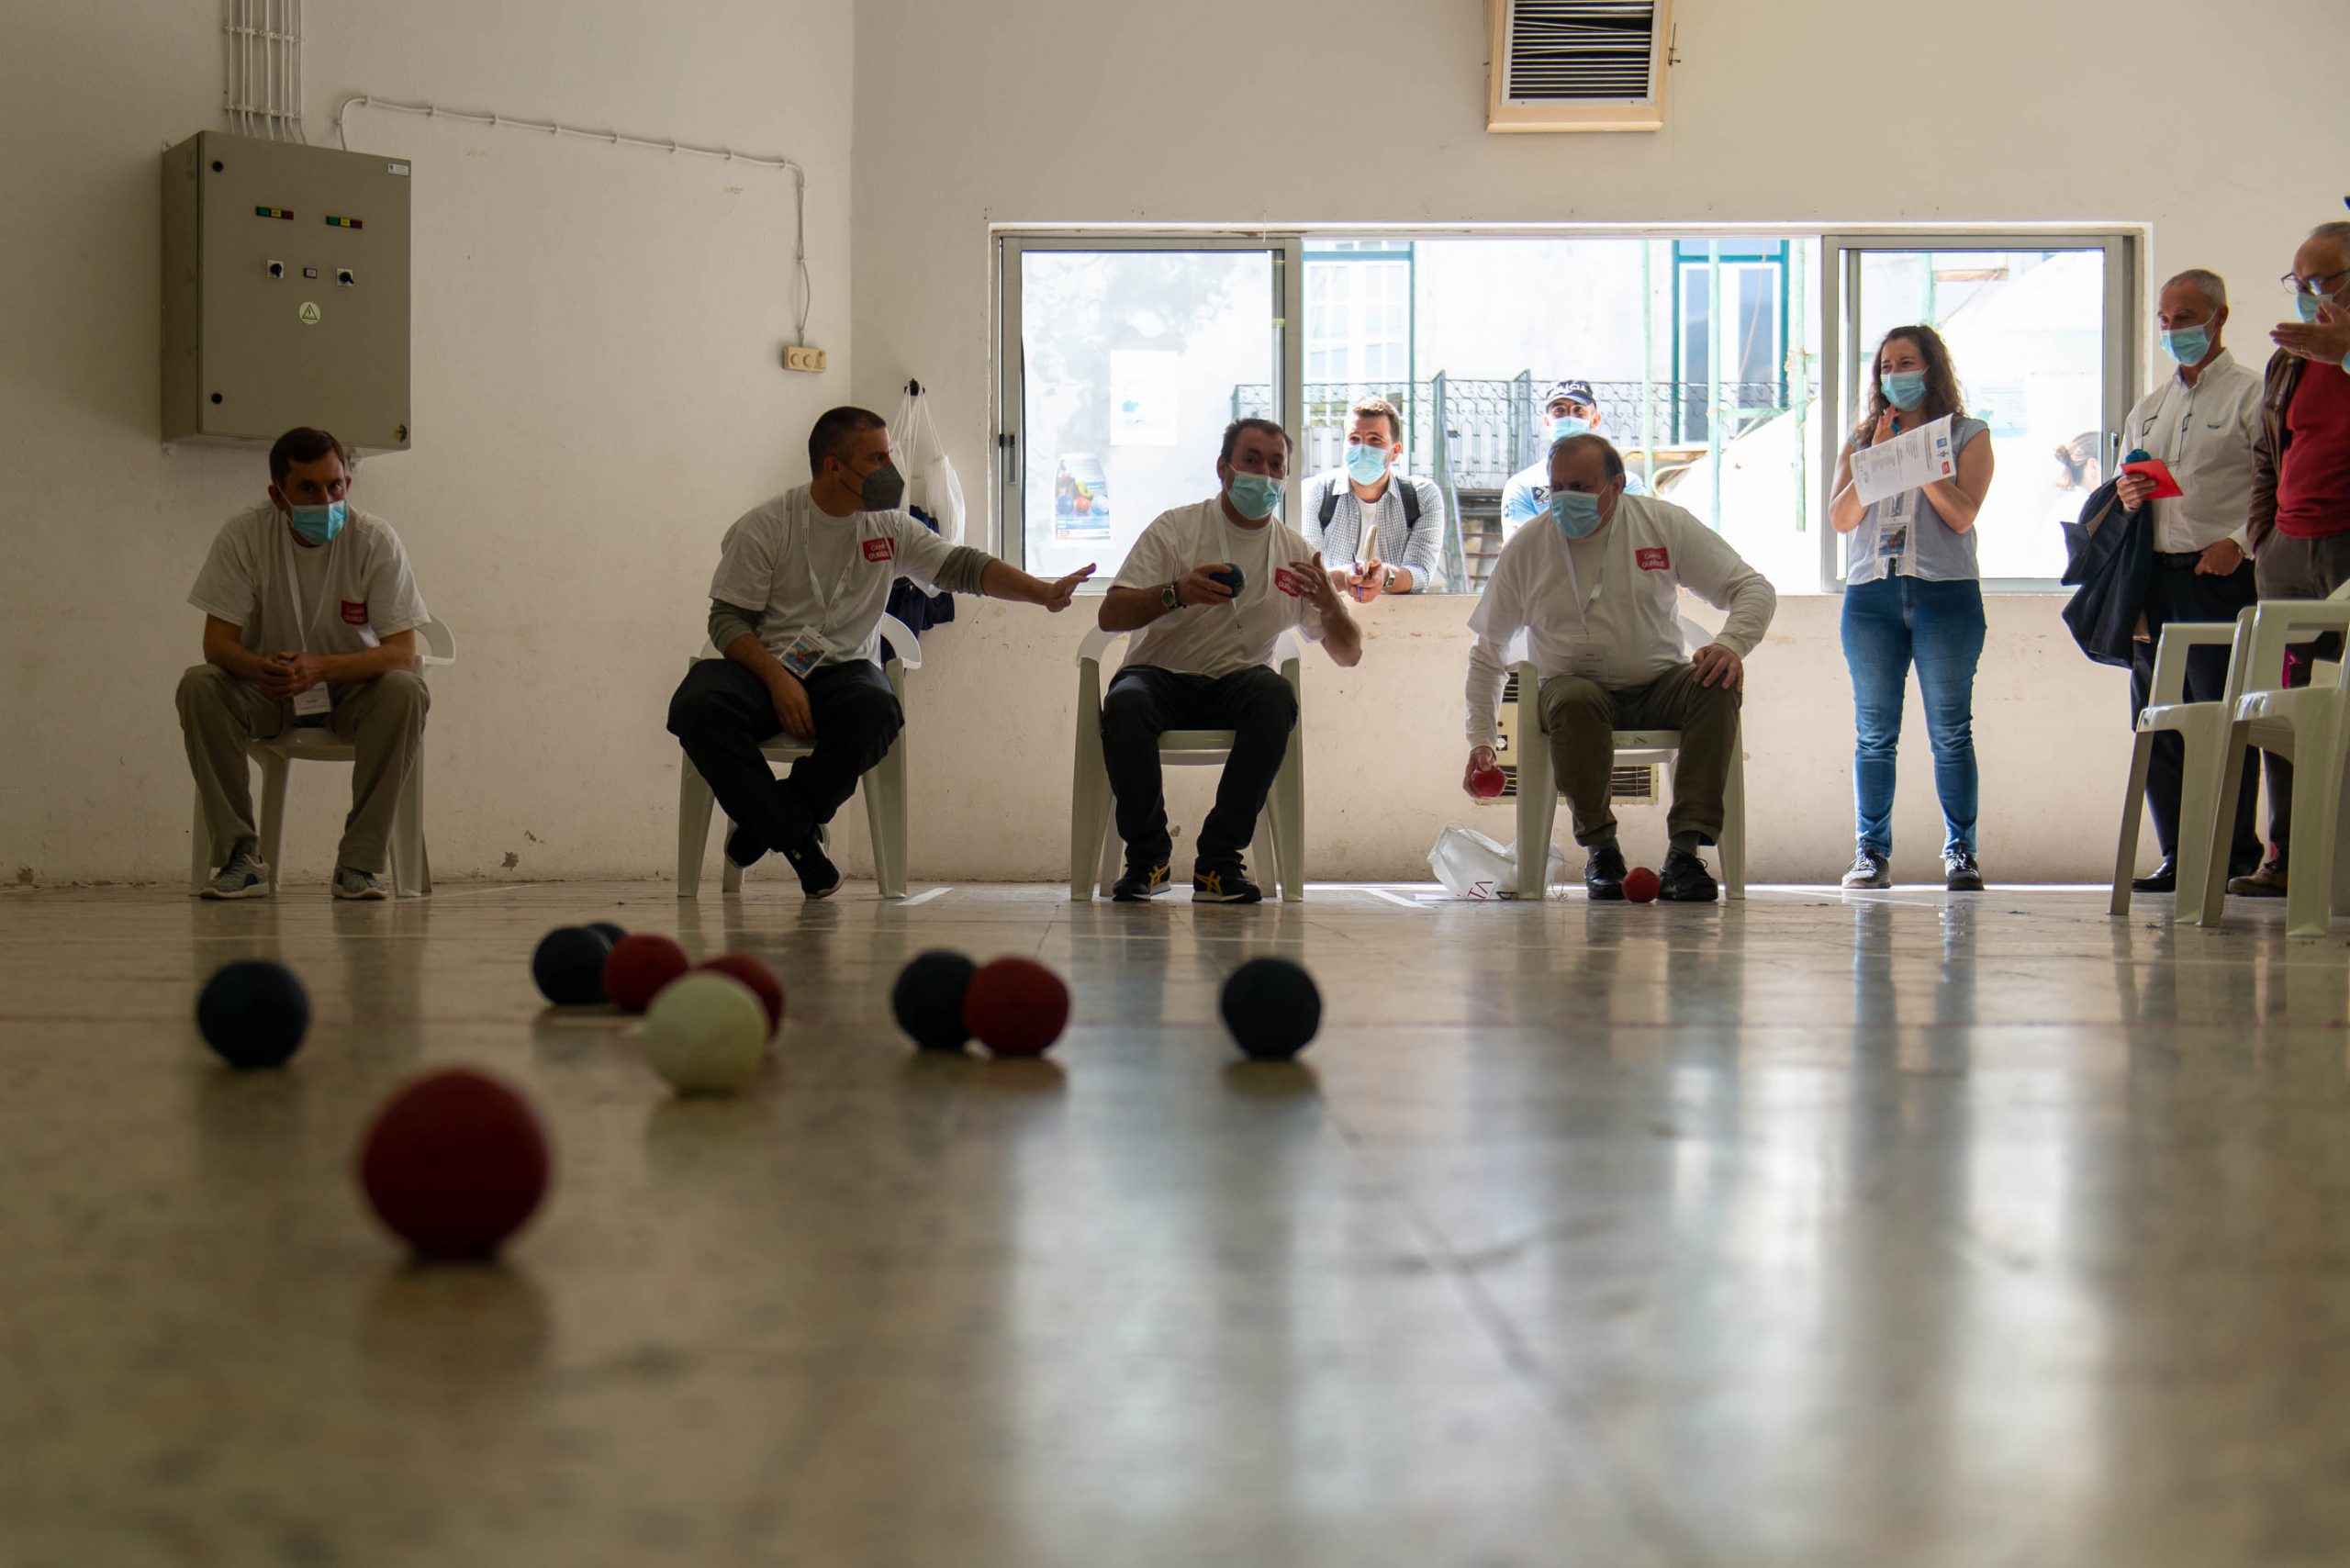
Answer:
(1565, 425)
(1366, 462)
(1255, 497)
(1905, 390)
(1576, 513)
(2187, 344)
(319, 524)
(2307, 306)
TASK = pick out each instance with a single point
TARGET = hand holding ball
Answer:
(1488, 782)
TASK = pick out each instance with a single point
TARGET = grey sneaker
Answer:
(350, 882)
(243, 878)
(2268, 882)
(1870, 870)
(1960, 873)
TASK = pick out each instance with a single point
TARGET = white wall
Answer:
(597, 392)
(1067, 111)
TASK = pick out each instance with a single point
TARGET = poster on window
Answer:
(1143, 388)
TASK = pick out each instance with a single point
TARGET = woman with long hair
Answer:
(1913, 594)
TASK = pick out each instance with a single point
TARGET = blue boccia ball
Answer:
(927, 1000)
(569, 965)
(253, 1013)
(1272, 1008)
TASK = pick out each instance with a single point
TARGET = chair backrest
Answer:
(440, 642)
(905, 648)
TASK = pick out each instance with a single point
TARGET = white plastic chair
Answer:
(1537, 785)
(1094, 853)
(884, 786)
(2202, 730)
(411, 869)
(2309, 724)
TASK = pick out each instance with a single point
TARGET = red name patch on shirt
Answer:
(1653, 560)
(354, 613)
(880, 549)
(1286, 580)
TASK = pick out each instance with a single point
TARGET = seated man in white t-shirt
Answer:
(795, 608)
(1597, 591)
(1569, 407)
(309, 618)
(1202, 659)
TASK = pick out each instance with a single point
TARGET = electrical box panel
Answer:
(286, 292)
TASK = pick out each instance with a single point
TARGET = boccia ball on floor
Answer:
(253, 1013)
(707, 1034)
(757, 976)
(606, 930)
(927, 1000)
(1642, 885)
(455, 1163)
(639, 965)
(1272, 1008)
(1016, 1007)
(569, 965)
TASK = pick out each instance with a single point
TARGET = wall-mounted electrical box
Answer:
(286, 292)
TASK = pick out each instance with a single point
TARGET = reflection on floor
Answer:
(1890, 1230)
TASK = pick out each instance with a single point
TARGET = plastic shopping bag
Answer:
(931, 482)
(1472, 866)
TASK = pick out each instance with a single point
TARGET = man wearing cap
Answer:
(1569, 407)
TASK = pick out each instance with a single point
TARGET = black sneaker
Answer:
(2162, 878)
(743, 849)
(1960, 873)
(819, 878)
(1140, 884)
(1685, 879)
(1226, 881)
(1603, 874)
(1870, 870)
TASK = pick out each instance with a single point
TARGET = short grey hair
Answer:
(2213, 286)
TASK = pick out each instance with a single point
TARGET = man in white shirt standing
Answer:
(1569, 407)
(2202, 423)
(1201, 659)
(1595, 589)
(309, 618)
(1387, 526)
(795, 609)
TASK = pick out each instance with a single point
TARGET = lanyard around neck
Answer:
(294, 582)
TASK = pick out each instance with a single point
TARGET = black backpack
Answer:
(1410, 491)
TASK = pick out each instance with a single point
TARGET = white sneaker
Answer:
(350, 882)
(243, 878)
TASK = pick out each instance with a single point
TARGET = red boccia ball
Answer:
(639, 965)
(1489, 783)
(455, 1163)
(758, 977)
(1640, 885)
(1016, 1007)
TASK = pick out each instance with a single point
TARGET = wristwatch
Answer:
(1172, 595)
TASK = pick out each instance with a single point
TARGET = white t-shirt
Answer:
(802, 569)
(1219, 638)
(342, 597)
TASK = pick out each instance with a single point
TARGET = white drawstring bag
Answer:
(1472, 866)
(930, 476)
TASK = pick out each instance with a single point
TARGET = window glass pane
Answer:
(1131, 361)
(2026, 331)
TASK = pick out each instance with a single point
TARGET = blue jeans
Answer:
(1888, 625)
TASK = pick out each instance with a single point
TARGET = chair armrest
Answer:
(2278, 624)
(1097, 642)
(2179, 638)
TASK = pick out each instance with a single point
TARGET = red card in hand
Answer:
(2153, 468)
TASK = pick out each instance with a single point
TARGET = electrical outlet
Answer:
(808, 360)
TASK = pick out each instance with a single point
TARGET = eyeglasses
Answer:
(2329, 283)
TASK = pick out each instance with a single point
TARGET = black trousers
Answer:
(1144, 703)
(2177, 592)
(722, 712)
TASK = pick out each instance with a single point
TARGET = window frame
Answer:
(1841, 352)
(1285, 318)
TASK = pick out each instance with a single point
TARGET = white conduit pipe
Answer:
(665, 144)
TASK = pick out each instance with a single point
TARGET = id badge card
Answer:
(311, 703)
(1893, 530)
(806, 651)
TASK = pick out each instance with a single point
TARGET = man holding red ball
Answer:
(1597, 591)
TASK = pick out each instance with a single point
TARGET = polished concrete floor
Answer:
(1882, 1229)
